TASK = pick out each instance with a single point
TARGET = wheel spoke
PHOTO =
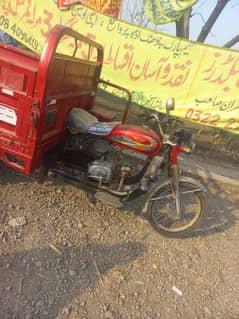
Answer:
(164, 209)
(173, 196)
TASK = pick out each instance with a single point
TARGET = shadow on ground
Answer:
(38, 283)
(221, 210)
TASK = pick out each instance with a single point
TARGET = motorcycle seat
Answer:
(104, 114)
(81, 121)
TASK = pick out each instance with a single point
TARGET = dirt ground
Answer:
(63, 257)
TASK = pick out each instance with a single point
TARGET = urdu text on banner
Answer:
(203, 79)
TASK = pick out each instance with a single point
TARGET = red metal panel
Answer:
(64, 82)
(36, 93)
(19, 57)
(12, 79)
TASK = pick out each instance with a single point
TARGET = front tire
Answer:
(162, 209)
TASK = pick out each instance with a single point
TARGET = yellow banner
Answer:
(166, 11)
(153, 66)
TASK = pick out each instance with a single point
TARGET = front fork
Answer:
(175, 189)
(176, 150)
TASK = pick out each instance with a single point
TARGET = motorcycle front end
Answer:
(176, 204)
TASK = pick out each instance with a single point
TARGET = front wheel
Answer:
(163, 211)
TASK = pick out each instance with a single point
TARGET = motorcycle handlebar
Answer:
(168, 139)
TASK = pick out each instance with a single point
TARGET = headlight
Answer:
(188, 149)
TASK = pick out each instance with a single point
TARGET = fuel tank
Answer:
(140, 139)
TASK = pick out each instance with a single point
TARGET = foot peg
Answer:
(108, 199)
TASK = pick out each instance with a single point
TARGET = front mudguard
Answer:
(160, 185)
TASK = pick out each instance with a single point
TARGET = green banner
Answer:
(166, 11)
